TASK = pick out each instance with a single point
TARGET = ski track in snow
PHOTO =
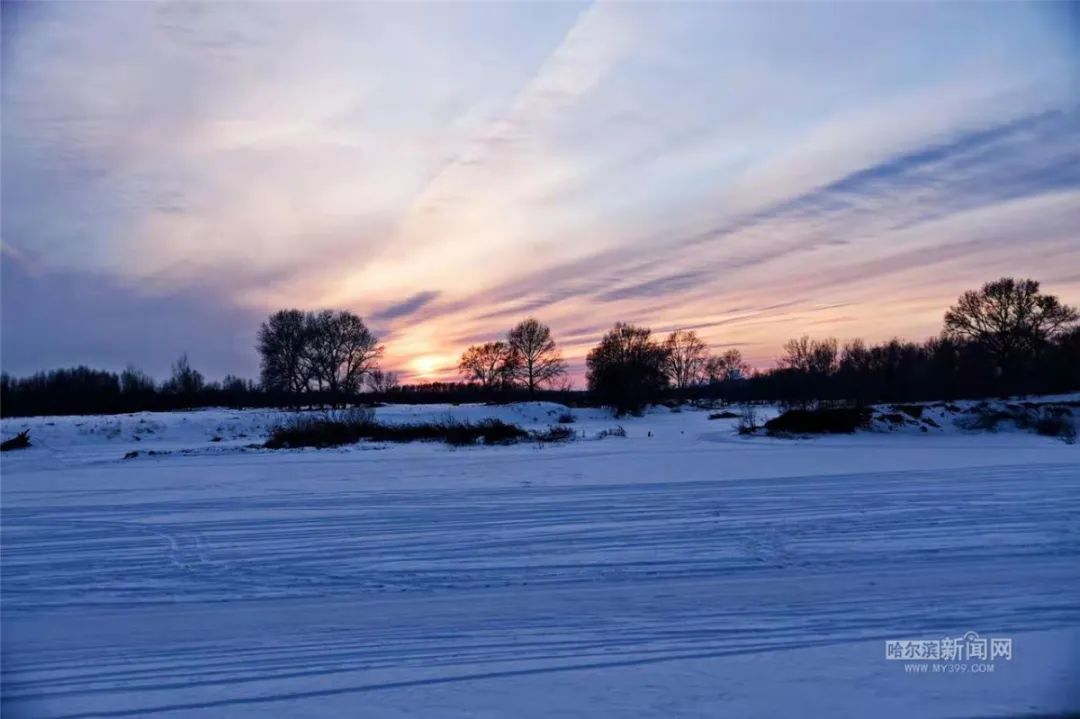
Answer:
(175, 586)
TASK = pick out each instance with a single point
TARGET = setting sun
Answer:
(426, 366)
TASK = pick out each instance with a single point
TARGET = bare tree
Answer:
(538, 361)
(856, 358)
(133, 381)
(811, 356)
(492, 364)
(325, 351)
(686, 358)
(185, 380)
(282, 343)
(360, 351)
(341, 351)
(626, 370)
(726, 366)
(1009, 317)
(382, 381)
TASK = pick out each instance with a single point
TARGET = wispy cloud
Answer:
(406, 307)
(446, 169)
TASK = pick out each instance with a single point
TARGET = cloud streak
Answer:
(406, 307)
(447, 169)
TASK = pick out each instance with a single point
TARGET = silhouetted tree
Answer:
(382, 381)
(1011, 319)
(891, 371)
(686, 358)
(282, 343)
(329, 352)
(79, 390)
(232, 384)
(537, 359)
(1060, 366)
(726, 367)
(185, 380)
(626, 370)
(136, 383)
(492, 364)
(341, 351)
(811, 356)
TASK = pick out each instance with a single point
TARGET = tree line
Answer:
(1004, 338)
(82, 390)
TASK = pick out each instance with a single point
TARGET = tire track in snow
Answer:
(254, 597)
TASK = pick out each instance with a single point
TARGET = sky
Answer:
(172, 172)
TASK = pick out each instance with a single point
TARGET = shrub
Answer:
(489, 431)
(726, 414)
(1056, 425)
(567, 418)
(555, 433)
(19, 441)
(1047, 420)
(617, 431)
(313, 432)
(832, 420)
(748, 420)
(349, 427)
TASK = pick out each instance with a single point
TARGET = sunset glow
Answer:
(750, 171)
(427, 367)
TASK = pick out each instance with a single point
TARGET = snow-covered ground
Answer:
(679, 571)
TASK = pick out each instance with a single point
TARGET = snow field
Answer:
(680, 571)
